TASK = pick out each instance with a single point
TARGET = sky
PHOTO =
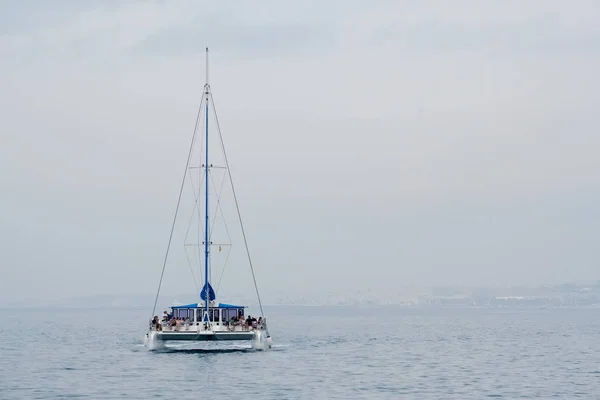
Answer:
(372, 145)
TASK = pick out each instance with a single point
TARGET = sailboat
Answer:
(207, 319)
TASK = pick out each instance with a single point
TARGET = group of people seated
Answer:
(249, 323)
(168, 320)
(175, 323)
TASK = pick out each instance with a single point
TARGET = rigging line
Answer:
(214, 217)
(196, 205)
(191, 269)
(197, 208)
(237, 207)
(187, 164)
(187, 232)
(223, 270)
(219, 207)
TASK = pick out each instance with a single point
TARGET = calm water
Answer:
(320, 353)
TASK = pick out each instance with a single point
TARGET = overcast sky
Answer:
(372, 144)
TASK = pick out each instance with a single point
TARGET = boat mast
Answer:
(206, 284)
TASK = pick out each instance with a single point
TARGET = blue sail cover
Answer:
(211, 292)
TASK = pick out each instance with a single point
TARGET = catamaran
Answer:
(206, 319)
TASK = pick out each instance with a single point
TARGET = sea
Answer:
(382, 352)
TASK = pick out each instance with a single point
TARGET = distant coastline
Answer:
(563, 295)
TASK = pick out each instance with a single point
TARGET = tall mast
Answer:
(206, 284)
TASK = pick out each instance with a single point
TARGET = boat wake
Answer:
(228, 350)
(151, 343)
(203, 351)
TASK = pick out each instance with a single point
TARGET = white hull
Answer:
(258, 338)
(203, 336)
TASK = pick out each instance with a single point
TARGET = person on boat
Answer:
(172, 323)
(233, 323)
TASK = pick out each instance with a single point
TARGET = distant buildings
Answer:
(565, 295)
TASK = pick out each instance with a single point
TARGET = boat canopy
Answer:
(200, 305)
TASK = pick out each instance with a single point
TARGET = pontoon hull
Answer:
(203, 336)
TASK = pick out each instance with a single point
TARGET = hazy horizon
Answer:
(372, 145)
